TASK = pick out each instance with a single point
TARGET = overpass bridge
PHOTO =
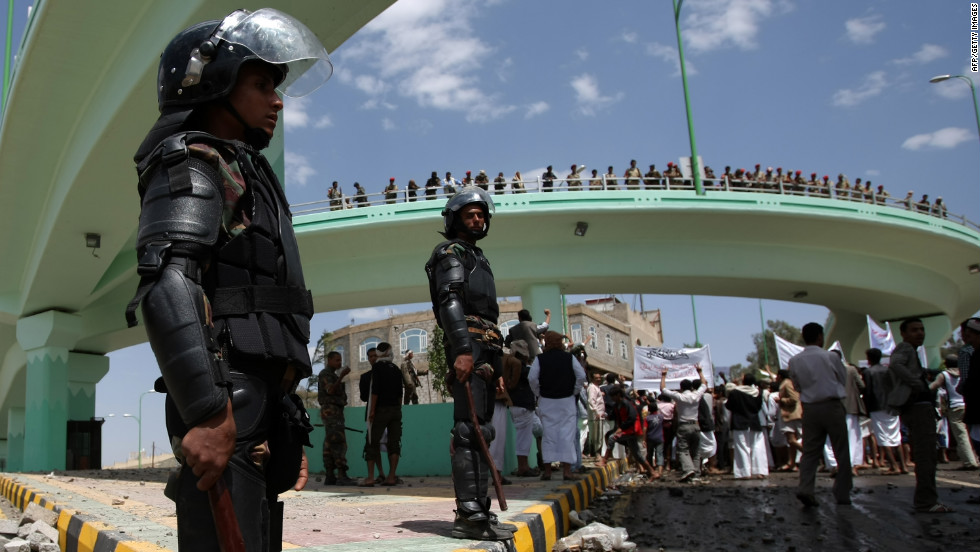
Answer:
(62, 303)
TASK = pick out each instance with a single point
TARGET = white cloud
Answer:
(668, 54)
(944, 138)
(714, 24)
(535, 109)
(588, 96)
(862, 30)
(582, 54)
(295, 113)
(928, 52)
(871, 86)
(388, 124)
(429, 52)
(630, 37)
(298, 168)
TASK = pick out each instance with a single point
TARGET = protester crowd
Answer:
(889, 419)
(759, 179)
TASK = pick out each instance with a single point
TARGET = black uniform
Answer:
(224, 302)
(464, 300)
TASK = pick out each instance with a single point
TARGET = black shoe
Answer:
(344, 481)
(495, 522)
(330, 479)
(479, 530)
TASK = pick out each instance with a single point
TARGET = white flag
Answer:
(785, 351)
(881, 338)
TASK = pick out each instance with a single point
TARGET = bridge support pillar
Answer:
(851, 329)
(537, 297)
(47, 338)
(15, 440)
(85, 370)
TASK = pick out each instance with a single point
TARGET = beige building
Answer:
(614, 328)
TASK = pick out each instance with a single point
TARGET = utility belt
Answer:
(485, 332)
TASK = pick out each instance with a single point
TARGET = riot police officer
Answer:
(224, 302)
(464, 300)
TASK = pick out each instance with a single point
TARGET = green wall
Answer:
(425, 442)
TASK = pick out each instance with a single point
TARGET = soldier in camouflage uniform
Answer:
(332, 396)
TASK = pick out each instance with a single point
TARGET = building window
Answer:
(608, 344)
(506, 326)
(622, 350)
(368, 343)
(415, 339)
(595, 337)
(343, 355)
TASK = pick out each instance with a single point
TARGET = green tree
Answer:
(766, 345)
(437, 362)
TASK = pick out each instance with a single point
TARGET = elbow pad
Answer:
(176, 325)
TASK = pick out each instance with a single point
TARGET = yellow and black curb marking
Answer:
(540, 526)
(76, 532)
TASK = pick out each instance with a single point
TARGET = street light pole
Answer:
(973, 92)
(139, 420)
(699, 189)
(694, 313)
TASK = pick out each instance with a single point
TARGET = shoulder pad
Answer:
(192, 213)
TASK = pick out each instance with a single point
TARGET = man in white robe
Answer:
(556, 378)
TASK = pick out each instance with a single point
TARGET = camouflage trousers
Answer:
(335, 439)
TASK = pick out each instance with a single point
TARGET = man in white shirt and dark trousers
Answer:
(686, 419)
(820, 377)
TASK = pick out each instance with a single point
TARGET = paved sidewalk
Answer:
(125, 510)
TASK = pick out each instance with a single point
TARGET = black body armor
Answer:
(260, 306)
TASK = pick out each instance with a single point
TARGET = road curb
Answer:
(76, 532)
(541, 525)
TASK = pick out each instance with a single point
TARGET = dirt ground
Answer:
(722, 514)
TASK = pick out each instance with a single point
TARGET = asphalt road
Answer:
(722, 514)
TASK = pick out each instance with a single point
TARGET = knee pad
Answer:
(464, 435)
(249, 403)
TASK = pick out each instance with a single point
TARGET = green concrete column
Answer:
(85, 370)
(47, 338)
(15, 439)
(540, 296)
(851, 329)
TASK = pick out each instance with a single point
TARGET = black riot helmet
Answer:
(202, 62)
(467, 196)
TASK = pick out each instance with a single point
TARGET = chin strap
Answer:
(255, 137)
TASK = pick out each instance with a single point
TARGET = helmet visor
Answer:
(278, 38)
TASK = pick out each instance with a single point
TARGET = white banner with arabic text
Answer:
(649, 362)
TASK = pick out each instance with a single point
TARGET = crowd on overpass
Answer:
(757, 180)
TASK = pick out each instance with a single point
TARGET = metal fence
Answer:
(537, 185)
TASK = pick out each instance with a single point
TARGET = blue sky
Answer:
(504, 85)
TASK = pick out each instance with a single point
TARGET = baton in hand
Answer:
(229, 534)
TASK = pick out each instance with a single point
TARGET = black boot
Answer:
(494, 521)
(343, 480)
(329, 478)
(473, 523)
